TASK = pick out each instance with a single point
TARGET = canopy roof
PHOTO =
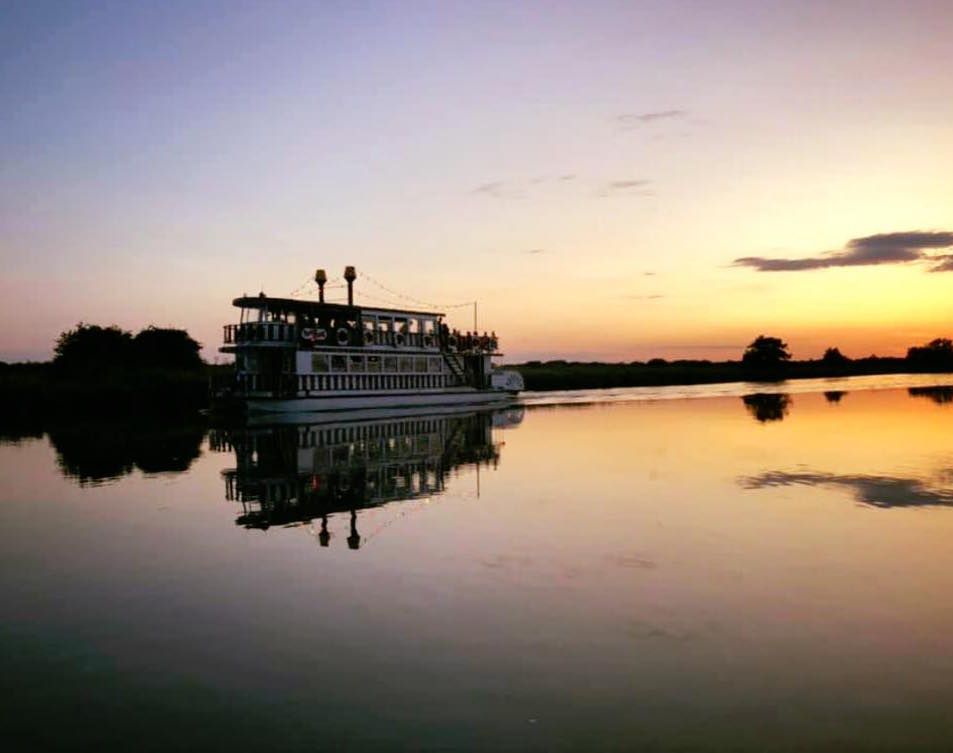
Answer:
(315, 308)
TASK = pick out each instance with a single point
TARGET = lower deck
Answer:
(342, 401)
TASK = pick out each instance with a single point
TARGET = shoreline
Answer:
(33, 393)
(551, 376)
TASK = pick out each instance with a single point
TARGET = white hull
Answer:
(371, 400)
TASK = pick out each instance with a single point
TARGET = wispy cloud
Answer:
(496, 189)
(636, 119)
(535, 251)
(870, 250)
(628, 187)
(515, 189)
(644, 297)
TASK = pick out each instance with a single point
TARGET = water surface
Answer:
(750, 571)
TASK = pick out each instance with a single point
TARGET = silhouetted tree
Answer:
(766, 356)
(936, 355)
(89, 348)
(160, 348)
(833, 357)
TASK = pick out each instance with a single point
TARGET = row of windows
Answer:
(392, 482)
(313, 383)
(392, 432)
(321, 363)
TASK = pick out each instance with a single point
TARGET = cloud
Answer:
(870, 250)
(535, 251)
(496, 189)
(648, 274)
(943, 263)
(517, 189)
(629, 187)
(636, 119)
(873, 491)
(640, 297)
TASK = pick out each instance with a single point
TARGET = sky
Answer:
(610, 181)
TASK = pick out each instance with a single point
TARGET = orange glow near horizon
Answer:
(598, 219)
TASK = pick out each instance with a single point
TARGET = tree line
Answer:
(89, 349)
(770, 356)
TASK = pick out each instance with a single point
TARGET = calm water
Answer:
(736, 572)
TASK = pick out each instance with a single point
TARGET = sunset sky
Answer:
(609, 180)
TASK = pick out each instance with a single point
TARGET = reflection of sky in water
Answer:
(671, 573)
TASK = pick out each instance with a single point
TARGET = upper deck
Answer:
(306, 325)
(291, 323)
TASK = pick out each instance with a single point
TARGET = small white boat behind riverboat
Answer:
(295, 356)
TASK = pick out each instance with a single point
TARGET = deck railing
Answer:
(260, 332)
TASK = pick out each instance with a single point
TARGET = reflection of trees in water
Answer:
(767, 407)
(939, 395)
(14, 433)
(834, 396)
(875, 491)
(93, 453)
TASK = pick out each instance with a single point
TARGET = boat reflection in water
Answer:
(296, 473)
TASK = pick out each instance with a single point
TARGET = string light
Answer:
(411, 298)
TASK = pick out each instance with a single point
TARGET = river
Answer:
(722, 567)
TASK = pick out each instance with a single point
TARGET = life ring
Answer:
(399, 338)
(343, 336)
(320, 335)
(308, 334)
(368, 337)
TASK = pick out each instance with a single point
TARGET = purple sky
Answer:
(588, 171)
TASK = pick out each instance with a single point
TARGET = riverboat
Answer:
(294, 356)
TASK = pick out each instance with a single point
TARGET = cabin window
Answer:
(390, 364)
(406, 364)
(428, 326)
(357, 364)
(319, 363)
(420, 364)
(339, 363)
(374, 364)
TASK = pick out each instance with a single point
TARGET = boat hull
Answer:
(365, 401)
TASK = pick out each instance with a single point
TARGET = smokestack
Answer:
(320, 277)
(350, 275)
